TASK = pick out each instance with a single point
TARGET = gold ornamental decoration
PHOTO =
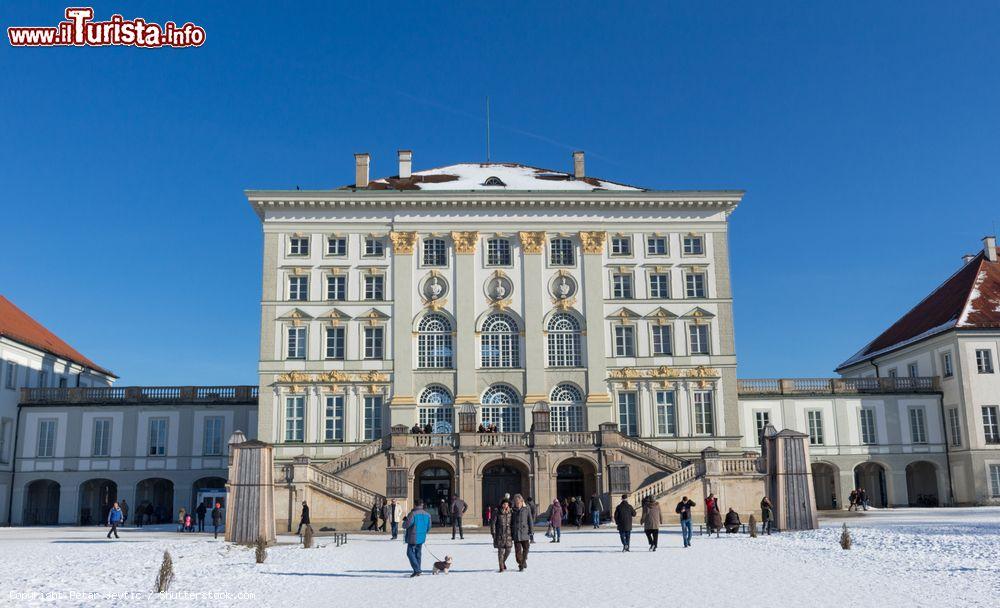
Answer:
(664, 372)
(593, 242)
(532, 242)
(465, 242)
(333, 377)
(403, 242)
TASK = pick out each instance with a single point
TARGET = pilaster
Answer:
(464, 292)
(599, 405)
(402, 403)
(534, 297)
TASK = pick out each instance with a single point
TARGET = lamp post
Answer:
(289, 471)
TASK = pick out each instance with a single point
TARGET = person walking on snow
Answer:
(503, 535)
(373, 514)
(115, 518)
(458, 509)
(304, 518)
(555, 520)
(766, 515)
(217, 518)
(596, 508)
(651, 520)
(853, 500)
(124, 506)
(684, 510)
(521, 530)
(201, 510)
(417, 523)
(624, 514)
(579, 513)
(181, 515)
(395, 515)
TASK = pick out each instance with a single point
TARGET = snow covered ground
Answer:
(909, 557)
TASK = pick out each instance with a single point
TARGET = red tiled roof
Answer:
(969, 299)
(20, 327)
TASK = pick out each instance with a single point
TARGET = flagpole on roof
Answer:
(487, 128)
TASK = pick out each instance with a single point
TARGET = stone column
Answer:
(465, 293)
(600, 408)
(401, 407)
(534, 297)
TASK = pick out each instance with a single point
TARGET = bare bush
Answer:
(307, 537)
(261, 550)
(752, 525)
(845, 538)
(166, 574)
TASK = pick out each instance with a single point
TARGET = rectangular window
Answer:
(704, 415)
(373, 417)
(296, 343)
(628, 422)
(918, 426)
(62, 382)
(815, 420)
(893, 373)
(435, 252)
(43, 379)
(295, 413)
(656, 245)
(298, 288)
(336, 288)
(212, 439)
(561, 252)
(498, 252)
(698, 339)
(374, 247)
(298, 245)
(506, 417)
(102, 438)
(694, 245)
(621, 286)
(666, 413)
(953, 424)
(374, 287)
(912, 370)
(566, 418)
(761, 418)
(659, 286)
(374, 343)
(336, 246)
(333, 429)
(947, 370)
(335, 340)
(46, 447)
(5, 426)
(694, 285)
(869, 434)
(984, 361)
(11, 381)
(157, 437)
(995, 480)
(621, 246)
(624, 341)
(662, 340)
(991, 428)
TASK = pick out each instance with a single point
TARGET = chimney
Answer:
(361, 163)
(405, 163)
(990, 248)
(967, 258)
(578, 170)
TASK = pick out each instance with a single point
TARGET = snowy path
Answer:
(913, 557)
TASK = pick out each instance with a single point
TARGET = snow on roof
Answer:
(494, 176)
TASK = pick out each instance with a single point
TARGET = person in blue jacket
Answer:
(115, 518)
(417, 523)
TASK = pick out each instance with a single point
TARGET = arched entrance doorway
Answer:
(41, 503)
(208, 491)
(575, 477)
(433, 482)
(501, 478)
(825, 477)
(96, 498)
(157, 493)
(870, 476)
(921, 484)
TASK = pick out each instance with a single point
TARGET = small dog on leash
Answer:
(442, 567)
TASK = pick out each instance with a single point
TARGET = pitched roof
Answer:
(968, 299)
(18, 326)
(493, 176)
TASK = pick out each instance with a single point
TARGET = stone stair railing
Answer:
(341, 488)
(661, 487)
(641, 449)
(353, 457)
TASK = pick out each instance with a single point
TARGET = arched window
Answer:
(564, 341)
(500, 342)
(566, 409)
(561, 252)
(502, 406)
(434, 342)
(435, 252)
(493, 181)
(436, 409)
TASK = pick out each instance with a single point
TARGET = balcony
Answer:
(754, 387)
(139, 395)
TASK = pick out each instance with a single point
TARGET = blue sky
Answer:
(865, 134)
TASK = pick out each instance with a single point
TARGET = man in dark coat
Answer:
(304, 518)
(217, 518)
(732, 521)
(766, 515)
(201, 510)
(596, 507)
(683, 509)
(124, 506)
(624, 514)
(458, 509)
(521, 530)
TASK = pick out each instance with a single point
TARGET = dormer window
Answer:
(493, 181)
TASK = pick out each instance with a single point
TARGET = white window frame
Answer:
(502, 406)
(947, 369)
(372, 247)
(991, 425)
(688, 245)
(331, 282)
(955, 428)
(213, 440)
(628, 413)
(48, 433)
(913, 369)
(298, 246)
(652, 246)
(373, 343)
(917, 417)
(434, 252)
(695, 285)
(994, 470)
(984, 360)
(500, 348)
(622, 286)
(336, 337)
(868, 426)
(657, 342)
(562, 249)
(11, 380)
(620, 247)
(666, 413)
(159, 436)
(699, 344)
(340, 251)
(761, 418)
(373, 405)
(435, 343)
(435, 405)
(101, 444)
(297, 342)
(814, 422)
(374, 288)
(566, 409)
(499, 252)
(295, 417)
(298, 288)
(563, 337)
(659, 286)
(333, 419)
(703, 406)
(624, 340)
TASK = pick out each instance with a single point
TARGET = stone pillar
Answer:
(401, 407)
(250, 510)
(465, 315)
(789, 479)
(600, 408)
(534, 298)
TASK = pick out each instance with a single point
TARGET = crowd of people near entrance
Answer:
(512, 522)
(193, 521)
(858, 500)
